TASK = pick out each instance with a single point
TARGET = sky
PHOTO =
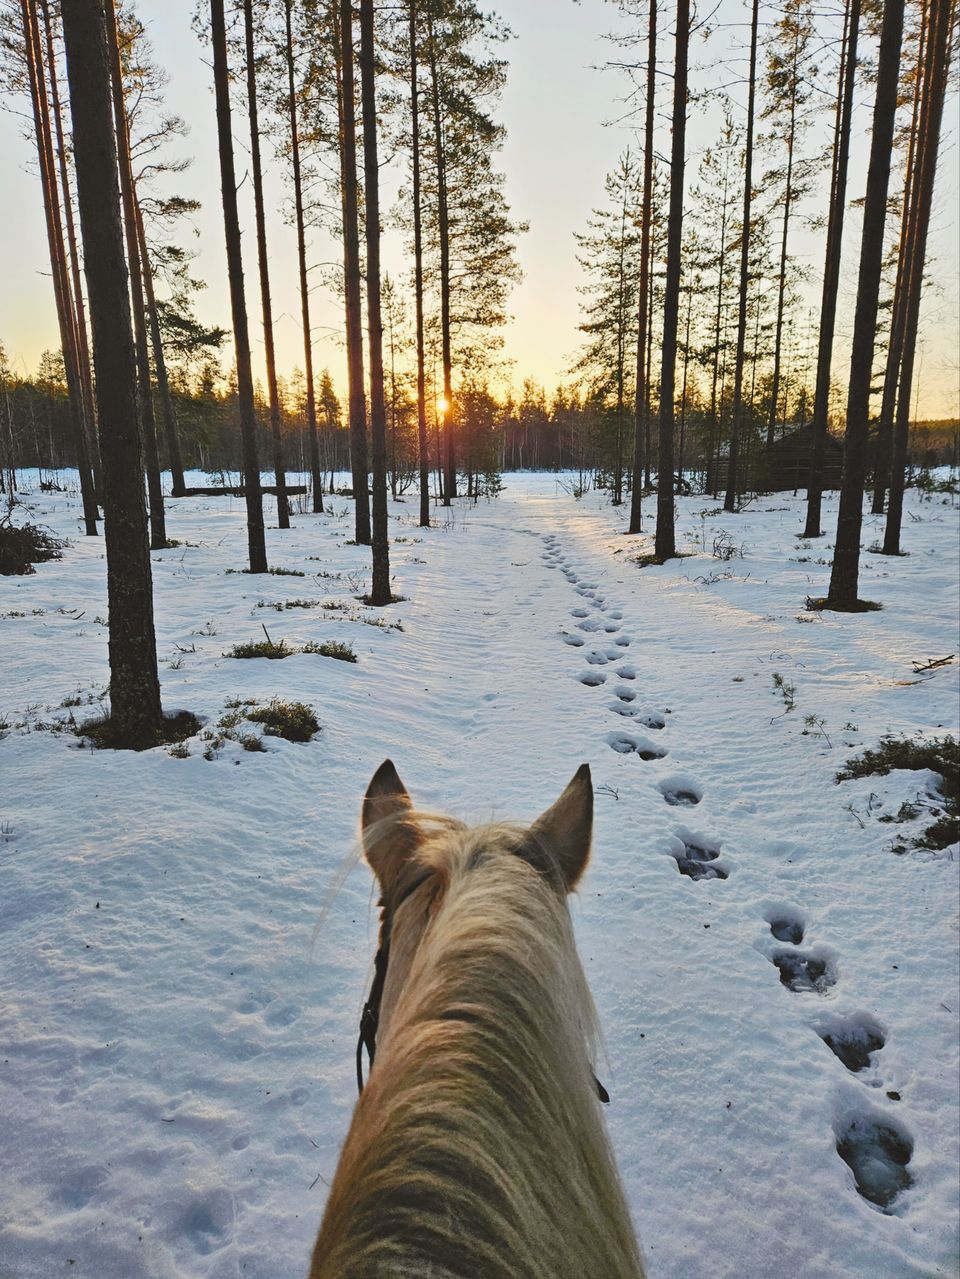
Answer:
(563, 114)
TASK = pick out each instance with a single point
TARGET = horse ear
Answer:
(565, 829)
(387, 840)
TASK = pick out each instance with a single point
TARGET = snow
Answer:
(176, 1032)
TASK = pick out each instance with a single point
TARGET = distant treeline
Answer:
(533, 431)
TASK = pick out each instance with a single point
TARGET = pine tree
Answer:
(610, 252)
(665, 542)
(790, 84)
(158, 525)
(380, 588)
(846, 557)
(941, 23)
(231, 221)
(831, 270)
(415, 195)
(746, 226)
(294, 124)
(352, 274)
(134, 685)
(642, 387)
(82, 340)
(283, 509)
(66, 315)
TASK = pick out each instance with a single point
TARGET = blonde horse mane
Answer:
(478, 1147)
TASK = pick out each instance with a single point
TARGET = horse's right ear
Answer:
(566, 828)
(387, 839)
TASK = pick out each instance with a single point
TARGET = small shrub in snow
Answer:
(23, 545)
(291, 720)
(786, 689)
(725, 548)
(280, 648)
(262, 648)
(280, 605)
(938, 754)
(331, 648)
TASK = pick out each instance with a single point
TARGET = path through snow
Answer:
(777, 988)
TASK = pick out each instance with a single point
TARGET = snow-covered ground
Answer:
(177, 1038)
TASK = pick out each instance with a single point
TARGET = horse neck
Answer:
(480, 1110)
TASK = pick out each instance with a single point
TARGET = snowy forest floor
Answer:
(177, 1037)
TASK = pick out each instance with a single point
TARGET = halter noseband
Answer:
(370, 1016)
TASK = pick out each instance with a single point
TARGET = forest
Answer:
(293, 505)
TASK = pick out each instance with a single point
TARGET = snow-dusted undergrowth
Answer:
(777, 987)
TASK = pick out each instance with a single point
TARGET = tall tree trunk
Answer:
(283, 509)
(134, 685)
(782, 281)
(443, 229)
(884, 443)
(622, 321)
(171, 434)
(158, 524)
(683, 389)
(83, 345)
(736, 410)
(316, 477)
(642, 400)
(648, 380)
(422, 445)
(716, 411)
(238, 303)
(352, 277)
(844, 577)
(941, 18)
(58, 262)
(380, 588)
(665, 542)
(831, 270)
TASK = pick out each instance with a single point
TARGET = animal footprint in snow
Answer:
(576, 641)
(623, 641)
(589, 624)
(579, 612)
(877, 1151)
(805, 972)
(679, 790)
(851, 1038)
(627, 671)
(615, 612)
(595, 658)
(629, 743)
(592, 678)
(611, 627)
(696, 856)
(786, 924)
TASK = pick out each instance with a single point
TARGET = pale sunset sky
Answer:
(557, 109)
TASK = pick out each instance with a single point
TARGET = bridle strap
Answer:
(370, 1016)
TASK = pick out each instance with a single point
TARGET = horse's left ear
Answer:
(566, 828)
(387, 839)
